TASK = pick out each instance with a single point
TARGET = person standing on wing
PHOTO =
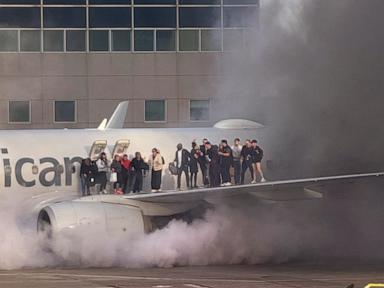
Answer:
(156, 162)
(182, 158)
(257, 156)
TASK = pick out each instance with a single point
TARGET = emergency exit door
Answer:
(121, 147)
(97, 148)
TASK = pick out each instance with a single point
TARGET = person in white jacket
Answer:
(102, 169)
(156, 162)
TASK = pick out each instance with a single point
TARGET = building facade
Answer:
(67, 63)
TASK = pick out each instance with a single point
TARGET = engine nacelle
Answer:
(75, 214)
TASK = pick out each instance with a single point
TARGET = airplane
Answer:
(41, 168)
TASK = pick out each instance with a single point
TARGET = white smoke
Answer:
(243, 231)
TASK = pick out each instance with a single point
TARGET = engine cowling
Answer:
(112, 217)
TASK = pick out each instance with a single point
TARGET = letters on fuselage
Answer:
(50, 175)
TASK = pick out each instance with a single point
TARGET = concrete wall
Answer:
(99, 81)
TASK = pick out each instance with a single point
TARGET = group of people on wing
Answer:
(214, 161)
(125, 175)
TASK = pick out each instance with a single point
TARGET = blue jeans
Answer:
(237, 168)
(84, 185)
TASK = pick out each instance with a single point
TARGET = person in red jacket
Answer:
(125, 173)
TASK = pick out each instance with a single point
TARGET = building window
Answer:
(199, 2)
(155, 2)
(8, 40)
(200, 17)
(99, 40)
(211, 40)
(109, 2)
(144, 40)
(17, 17)
(165, 40)
(155, 17)
(30, 41)
(121, 40)
(64, 17)
(240, 16)
(54, 40)
(75, 40)
(189, 40)
(155, 110)
(115, 17)
(233, 39)
(241, 2)
(19, 112)
(199, 110)
(65, 111)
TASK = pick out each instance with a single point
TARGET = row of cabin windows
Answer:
(66, 111)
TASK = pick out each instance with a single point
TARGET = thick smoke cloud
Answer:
(314, 74)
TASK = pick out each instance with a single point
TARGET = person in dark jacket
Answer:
(257, 156)
(225, 154)
(195, 153)
(126, 173)
(85, 176)
(138, 166)
(246, 157)
(213, 158)
(117, 168)
(182, 158)
(203, 163)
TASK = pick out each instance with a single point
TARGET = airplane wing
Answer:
(287, 190)
(112, 211)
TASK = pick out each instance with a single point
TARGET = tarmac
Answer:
(238, 276)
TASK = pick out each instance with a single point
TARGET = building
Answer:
(67, 63)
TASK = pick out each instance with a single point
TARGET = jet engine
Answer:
(110, 217)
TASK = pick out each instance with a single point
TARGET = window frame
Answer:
(165, 111)
(209, 110)
(64, 122)
(30, 112)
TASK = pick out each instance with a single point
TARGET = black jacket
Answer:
(185, 158)
(213, 155)
(138, 165)
(247, 153)
(85, 169)
(257, 154)
(193, 161)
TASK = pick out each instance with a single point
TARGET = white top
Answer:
(179, 157)
(102, 166)
(236, 151)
